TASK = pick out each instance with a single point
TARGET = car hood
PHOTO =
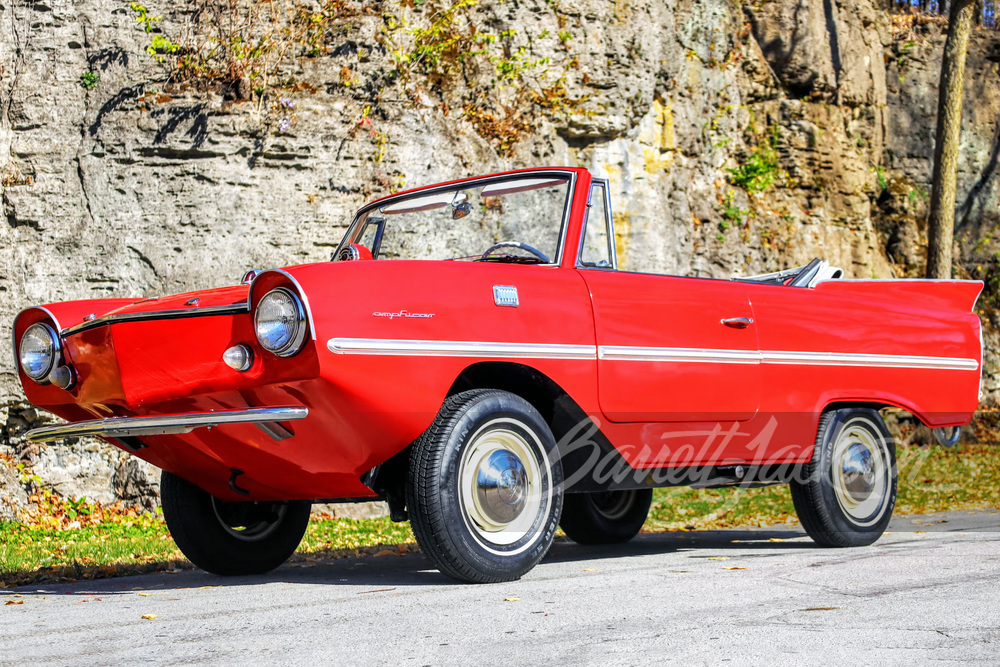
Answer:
(210, 298)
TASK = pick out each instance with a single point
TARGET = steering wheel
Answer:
(522, 246)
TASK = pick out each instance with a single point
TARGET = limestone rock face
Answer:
(133, 186)
(13, 499)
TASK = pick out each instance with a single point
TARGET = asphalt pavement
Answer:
(928, 591)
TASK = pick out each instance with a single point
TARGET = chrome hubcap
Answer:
(860, 473)
(500, 485)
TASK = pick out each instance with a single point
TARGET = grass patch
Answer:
(32, 553)
(932, 479)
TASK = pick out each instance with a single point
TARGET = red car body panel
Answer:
(646, 357)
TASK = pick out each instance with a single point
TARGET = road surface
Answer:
(928, 591)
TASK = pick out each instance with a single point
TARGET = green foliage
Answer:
(504, 86)
(78, 506)
(251, 51)
(160, 47)
(89, 79)
(447, 42)
(143, 18)
(916, 195)
(760, 170)
(883, 183)
(732, 215)
(452, 40)
(242, 46)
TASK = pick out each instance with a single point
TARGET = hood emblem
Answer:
(403, 313)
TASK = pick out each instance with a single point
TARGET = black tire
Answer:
(207, 531)
(480, 515)
(608, 517)
(845, 496)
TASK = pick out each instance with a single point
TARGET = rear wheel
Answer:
(483, 492)
(846, 494)
(230, 538)
(607, 517)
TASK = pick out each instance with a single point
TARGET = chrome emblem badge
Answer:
(403, 313)
(505, 295)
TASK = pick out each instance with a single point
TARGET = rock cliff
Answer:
(737, 139)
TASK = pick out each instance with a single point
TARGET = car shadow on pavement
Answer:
(765, 541)
(381, 573)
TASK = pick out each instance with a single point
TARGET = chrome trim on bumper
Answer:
(121, 427)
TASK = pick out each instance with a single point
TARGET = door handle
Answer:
(738, 322)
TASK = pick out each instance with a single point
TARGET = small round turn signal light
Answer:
(238, 357)
(63, 377)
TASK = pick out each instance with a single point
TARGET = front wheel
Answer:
(230, 538)
(607, 517)
(846, 494)
(484, 488)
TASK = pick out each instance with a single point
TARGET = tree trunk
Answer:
(941, 223)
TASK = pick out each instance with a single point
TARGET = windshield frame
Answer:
(477, 181)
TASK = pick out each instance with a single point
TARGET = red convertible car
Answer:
(473, 355)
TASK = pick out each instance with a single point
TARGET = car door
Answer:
(674, 349)
(670, 349)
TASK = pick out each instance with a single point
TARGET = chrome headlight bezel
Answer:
(55, 348)
(297, 333)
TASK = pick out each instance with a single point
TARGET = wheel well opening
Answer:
(560, 411)
(579, 439)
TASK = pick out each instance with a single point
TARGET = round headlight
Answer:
(280, 322)
(38, 350)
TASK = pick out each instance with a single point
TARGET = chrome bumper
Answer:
(123, 427)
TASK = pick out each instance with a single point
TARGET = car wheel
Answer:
(484, 490)
(230, 538)
(845, 495)
(607, 517)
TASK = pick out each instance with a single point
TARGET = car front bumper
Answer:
(121, 427)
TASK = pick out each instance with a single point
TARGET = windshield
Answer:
(516, 219)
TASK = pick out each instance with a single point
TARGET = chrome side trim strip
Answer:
(445, 348)
(120, 427)
(452, 348)
(876, 360)
(679, 354)
(232, 309)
